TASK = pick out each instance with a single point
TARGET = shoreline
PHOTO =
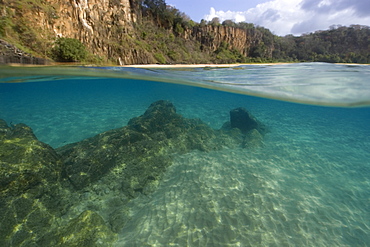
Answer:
(144, 66)
(194, 65)
(220, 65)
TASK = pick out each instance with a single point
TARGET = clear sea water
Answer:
(309, 185)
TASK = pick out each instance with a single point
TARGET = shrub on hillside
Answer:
(69, 50)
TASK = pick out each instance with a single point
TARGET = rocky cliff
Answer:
(242, 40)
(114, 30)
(214, 36)
(10, 54)
(141, 32)
(102, 26)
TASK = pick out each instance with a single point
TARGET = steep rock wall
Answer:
(100, 25)
(106, 27)
(113, 30)
(214, 36)
(11, 54)
(242, 40)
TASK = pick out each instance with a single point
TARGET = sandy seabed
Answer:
(307, 186)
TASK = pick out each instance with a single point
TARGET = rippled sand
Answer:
(307, 186)
(243, 198)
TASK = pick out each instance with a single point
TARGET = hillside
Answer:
(149, 31)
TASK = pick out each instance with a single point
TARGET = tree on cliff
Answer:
(156, 8)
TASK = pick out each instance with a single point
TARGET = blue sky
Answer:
(282, 17)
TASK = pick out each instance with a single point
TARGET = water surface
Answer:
(309, 185)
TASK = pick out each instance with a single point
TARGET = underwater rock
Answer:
(23, 222)
(244, 121)
(244, 125)
(25, 161)
(157, 118)
(138, 152)
(39, 185)
(3, 126)
(30, 189)
(240, 118)
(253, 139)
(86, 230)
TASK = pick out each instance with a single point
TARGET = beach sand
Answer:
(161, 65)
(194, 65)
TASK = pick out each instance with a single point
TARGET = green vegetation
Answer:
(164, 34)
(226, 55)
(69, 50)
(160, 58)
(167, 46)
(339, 44)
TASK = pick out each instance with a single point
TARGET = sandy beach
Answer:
(162, 65)
(211, 65)
(194, 65)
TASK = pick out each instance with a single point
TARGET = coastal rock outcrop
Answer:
(10, 54)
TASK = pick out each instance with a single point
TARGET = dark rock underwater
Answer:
(49, 197)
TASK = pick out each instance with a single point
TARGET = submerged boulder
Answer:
(158, 118)
(140, 151)
(252, 130)
(240, 118)
(25, 161)
(86, 230)
(33, 197)
(30, 190)
(253, 139)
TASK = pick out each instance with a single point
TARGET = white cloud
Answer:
(298, 16)
(228, 15)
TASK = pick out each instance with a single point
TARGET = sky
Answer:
(282, 17)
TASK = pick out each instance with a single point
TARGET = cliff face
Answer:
(113, 30)
(97, 24)
(100, 25)
(104, 27)
(11, 54)
(214, 36)
(245, 41)
(107, 26)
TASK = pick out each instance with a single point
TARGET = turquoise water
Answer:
(309, 185)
